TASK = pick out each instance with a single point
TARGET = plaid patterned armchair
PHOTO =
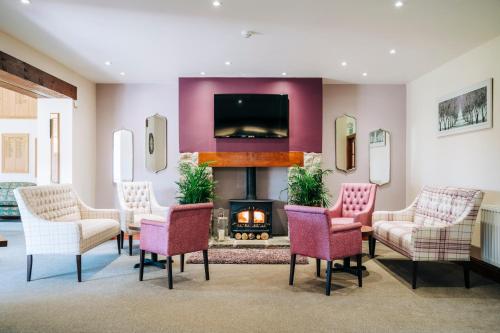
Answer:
(137, 201)
(437, 226)
(56, 221)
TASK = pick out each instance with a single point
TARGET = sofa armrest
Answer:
(449, 243)
(345, 227)
(50, 237)
(364, 217)
(159, 210)
(406, 214)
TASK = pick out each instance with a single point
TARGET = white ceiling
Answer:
(160, 40)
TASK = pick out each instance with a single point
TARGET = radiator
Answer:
(490, 234)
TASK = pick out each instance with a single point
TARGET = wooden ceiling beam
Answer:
(22, 75)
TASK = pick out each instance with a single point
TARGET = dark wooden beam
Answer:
(29, 78)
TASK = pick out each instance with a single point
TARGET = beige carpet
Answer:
(238, 298)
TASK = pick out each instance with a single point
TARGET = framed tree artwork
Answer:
(15, 153)
(469, 109)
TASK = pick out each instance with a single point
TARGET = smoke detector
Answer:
(247, 33)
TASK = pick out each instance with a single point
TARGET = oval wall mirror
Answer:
(123, 156)
(380, 157)
(345, 143)
(156, 143)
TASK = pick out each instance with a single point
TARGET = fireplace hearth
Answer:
(250, 217)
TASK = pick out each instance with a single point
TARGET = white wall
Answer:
(127, 106)
(374, 107)
(467, 160)
(20, 126)
(84, 115)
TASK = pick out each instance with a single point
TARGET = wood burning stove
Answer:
(251, 217)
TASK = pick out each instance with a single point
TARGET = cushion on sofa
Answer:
(442, 206)
(395, 234)
(97, 231)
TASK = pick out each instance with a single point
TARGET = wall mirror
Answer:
(55, 148)
(123, 156)
(380, 157)
(156, 143)
(345, 143)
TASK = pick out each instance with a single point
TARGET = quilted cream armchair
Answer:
(437, 226)
(56, 221)
(137, 201)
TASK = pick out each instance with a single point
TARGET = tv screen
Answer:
(250, 116)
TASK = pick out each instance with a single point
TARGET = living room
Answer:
(165, 163)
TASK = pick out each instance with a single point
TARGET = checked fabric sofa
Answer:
(8, 204)
(56, 221)
(437, 226)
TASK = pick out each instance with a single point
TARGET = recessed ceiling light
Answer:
(202, 73)
(284, 74)
(399, 4)
(392, 51)
(122, 73)
(227, 63)
(108, 63)
(216, 3)
(365, 74)
(343, 63)
(25, 2)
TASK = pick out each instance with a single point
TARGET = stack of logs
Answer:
(251, 235)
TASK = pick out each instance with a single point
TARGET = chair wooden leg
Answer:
(122, 237)
(141, 265)
(205, 263)
(414, 278)
(29, 267)
(118, 242)
(292, 268)
(170, 277)
(318, 267)
(328, 277)
(371, 242)
(79, 267)
(130, 244)
(360, 270)
(467, 274)
(182, 263)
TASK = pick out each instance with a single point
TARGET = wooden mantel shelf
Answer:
(252, 159)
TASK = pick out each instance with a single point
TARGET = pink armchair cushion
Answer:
(185, 230)
(311, 234)
(357, 201)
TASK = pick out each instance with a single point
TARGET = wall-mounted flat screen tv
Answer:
(250, 116)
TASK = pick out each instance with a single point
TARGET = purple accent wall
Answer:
(196, 113)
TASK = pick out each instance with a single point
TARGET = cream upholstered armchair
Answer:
(437, 226)
(137, 201)
(56, 221)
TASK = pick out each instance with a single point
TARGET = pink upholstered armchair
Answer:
(312, 235)
(185, 230)
(355, 203)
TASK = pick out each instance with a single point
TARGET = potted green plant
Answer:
(306, 186)
(196, 184)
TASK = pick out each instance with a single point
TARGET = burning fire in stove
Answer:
(244, 217)
(258, 217)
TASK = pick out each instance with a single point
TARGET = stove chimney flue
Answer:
(251, 183)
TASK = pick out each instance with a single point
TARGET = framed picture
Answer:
(15, 153)
(466, 110)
